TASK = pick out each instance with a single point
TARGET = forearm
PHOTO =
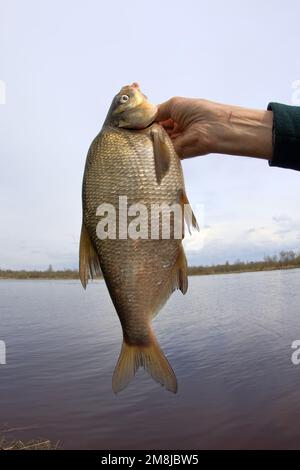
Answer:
(199, 127)
(243, 131)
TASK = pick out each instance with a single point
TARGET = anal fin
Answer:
(178, 279)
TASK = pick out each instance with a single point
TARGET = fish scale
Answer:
(140, 274)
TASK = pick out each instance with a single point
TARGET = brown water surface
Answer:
(228, 340)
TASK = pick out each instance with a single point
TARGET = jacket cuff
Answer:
(286, 136)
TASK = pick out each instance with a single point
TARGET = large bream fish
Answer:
(133, 157)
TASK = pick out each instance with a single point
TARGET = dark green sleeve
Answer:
(286, 136)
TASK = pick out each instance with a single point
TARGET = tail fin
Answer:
(151, 358)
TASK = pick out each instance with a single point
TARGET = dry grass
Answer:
(39, 444)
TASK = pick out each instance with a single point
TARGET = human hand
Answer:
(189, 122)
(199, 127)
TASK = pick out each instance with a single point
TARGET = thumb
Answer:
(180, 144)
(164, 111)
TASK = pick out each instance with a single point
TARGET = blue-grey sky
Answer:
(63, 61)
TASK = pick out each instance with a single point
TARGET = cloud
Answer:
(41, 170)
(282, 219)
(230, 241)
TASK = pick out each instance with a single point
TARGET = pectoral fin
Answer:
(161, 152)
(89, 264)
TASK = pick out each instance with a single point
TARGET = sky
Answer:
(63, 61)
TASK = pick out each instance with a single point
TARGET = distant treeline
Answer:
(62, 274)
(285, 260)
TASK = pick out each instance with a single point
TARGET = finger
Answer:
(177, 128)
(168, 124)
(169, 132)
(181, 144)
(164, 111)
(177, 142)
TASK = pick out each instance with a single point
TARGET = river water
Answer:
(228, 340)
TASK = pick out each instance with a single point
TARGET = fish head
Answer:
(131, 109)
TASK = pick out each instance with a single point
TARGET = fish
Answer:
(133, 157)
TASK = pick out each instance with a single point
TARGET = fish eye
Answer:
(124, 98)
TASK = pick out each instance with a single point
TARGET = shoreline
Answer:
(193, 271)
